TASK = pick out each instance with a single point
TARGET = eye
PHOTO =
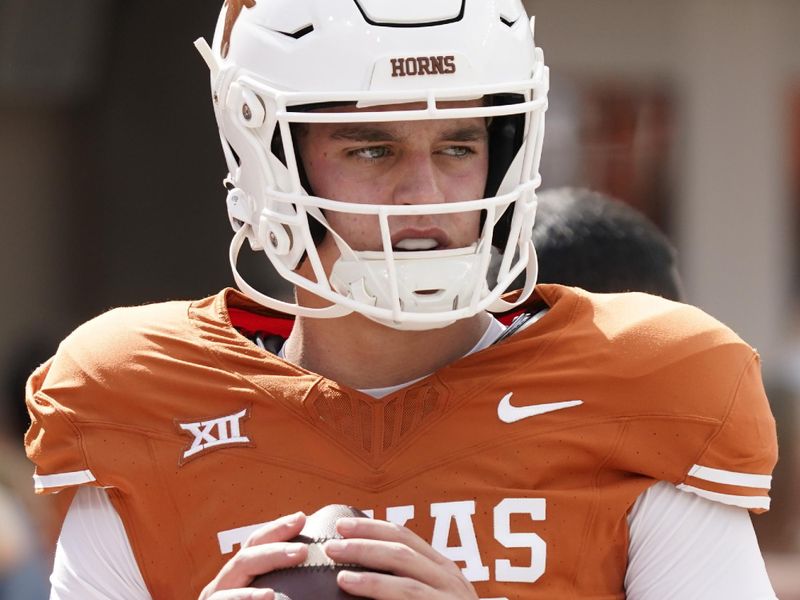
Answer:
(458, 151)
(370, 152)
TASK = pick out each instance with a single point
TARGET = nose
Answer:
(418, 181)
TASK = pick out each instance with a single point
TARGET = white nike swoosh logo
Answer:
(511, 414)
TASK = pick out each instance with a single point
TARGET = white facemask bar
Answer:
(519, 237)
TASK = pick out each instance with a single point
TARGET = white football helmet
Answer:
(275, 63)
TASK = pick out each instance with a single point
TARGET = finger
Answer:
(384, 530)
(394, 557)
(251, 562)
(379, 586)
(243, 594)
(279, 530)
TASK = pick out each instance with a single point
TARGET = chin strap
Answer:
(531, 275)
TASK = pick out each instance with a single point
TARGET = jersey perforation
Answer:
(444, 459)
(77, 432)
(378, 472)
(588, 524)
(731, 403)
(137, 544)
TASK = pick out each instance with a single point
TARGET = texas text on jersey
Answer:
(520, 462)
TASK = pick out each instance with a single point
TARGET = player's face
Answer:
(400, 163)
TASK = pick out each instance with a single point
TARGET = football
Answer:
(315, 578)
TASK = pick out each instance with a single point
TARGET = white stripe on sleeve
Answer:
(42, 482)
(731, 477)
(731, 499)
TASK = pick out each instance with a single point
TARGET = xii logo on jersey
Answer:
(215, 433)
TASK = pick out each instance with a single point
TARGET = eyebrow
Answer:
(363, 133)
(372, 133)
(466, 133)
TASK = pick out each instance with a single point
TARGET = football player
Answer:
(530, 444)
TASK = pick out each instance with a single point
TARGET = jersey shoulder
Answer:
(671, 373)
(148, 343)
(131, 369)
(642, 333)
(115, 343)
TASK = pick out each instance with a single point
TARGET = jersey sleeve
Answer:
(53, 442)
(735, 466)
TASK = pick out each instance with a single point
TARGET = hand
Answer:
(265, 550)
(415, 569)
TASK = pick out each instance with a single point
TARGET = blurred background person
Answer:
(587, 239)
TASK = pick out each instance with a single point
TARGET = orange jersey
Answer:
(520, 462)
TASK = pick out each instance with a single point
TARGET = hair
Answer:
(589, 240)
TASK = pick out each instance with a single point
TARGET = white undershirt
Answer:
(682, 546)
